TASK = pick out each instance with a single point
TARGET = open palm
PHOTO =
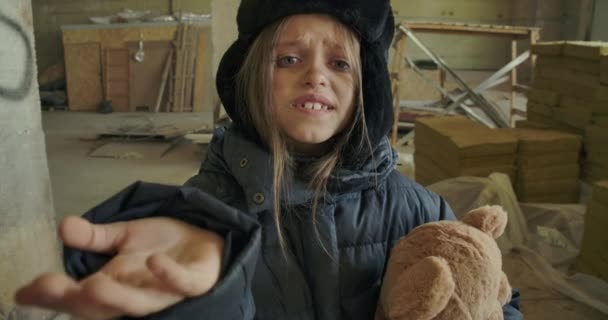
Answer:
(157, 262)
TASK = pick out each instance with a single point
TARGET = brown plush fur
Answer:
(448, 270)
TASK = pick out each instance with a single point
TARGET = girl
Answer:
(297, 206)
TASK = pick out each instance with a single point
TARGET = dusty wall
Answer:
(28, 243)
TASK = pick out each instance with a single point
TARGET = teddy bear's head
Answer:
(448, 270)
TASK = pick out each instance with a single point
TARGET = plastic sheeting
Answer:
(548, 236)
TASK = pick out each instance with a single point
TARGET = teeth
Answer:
(312, 106)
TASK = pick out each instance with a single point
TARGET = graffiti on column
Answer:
(21, 90)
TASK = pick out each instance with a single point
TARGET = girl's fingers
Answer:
(46, 289)
(125, 299)
(183, 280)
(78, 233)
(59, 292)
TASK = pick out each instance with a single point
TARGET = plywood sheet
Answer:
(83, 72)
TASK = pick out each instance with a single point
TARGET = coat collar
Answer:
(251, 166)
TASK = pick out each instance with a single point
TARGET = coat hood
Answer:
(371, 20)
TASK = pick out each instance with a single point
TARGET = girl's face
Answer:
(313, 86)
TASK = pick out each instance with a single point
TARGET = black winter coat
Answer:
(364, 213)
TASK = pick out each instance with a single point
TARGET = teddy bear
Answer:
(448, 270)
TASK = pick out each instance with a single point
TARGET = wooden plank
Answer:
(494, 30)
(164, 80)
(201, 73)
(116, 66)
(83, 73)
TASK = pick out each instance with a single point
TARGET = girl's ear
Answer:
(489, 219)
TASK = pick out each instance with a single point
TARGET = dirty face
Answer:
(314, 80)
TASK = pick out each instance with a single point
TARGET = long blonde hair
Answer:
(254, 91)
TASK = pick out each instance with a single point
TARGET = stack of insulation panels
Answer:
(547, 166)
(570, 94)
(454, 146)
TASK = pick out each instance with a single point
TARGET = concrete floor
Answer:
(80, 182)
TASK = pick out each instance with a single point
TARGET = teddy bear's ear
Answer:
(489, 219)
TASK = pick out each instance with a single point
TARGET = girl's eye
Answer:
(287, 61)
(341, 65)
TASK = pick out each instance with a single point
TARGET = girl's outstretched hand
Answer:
(158, 262)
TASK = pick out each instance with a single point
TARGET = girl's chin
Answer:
(308, 143)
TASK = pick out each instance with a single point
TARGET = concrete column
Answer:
(28, 241)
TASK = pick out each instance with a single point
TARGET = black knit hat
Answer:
(372, 21)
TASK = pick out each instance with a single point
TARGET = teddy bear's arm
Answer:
(504, 292)
(420, 292)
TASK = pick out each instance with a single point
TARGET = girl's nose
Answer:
(315, 75)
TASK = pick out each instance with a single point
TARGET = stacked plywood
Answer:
(455, 146)
(570, 93)
(593, 258)
(547, 166)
